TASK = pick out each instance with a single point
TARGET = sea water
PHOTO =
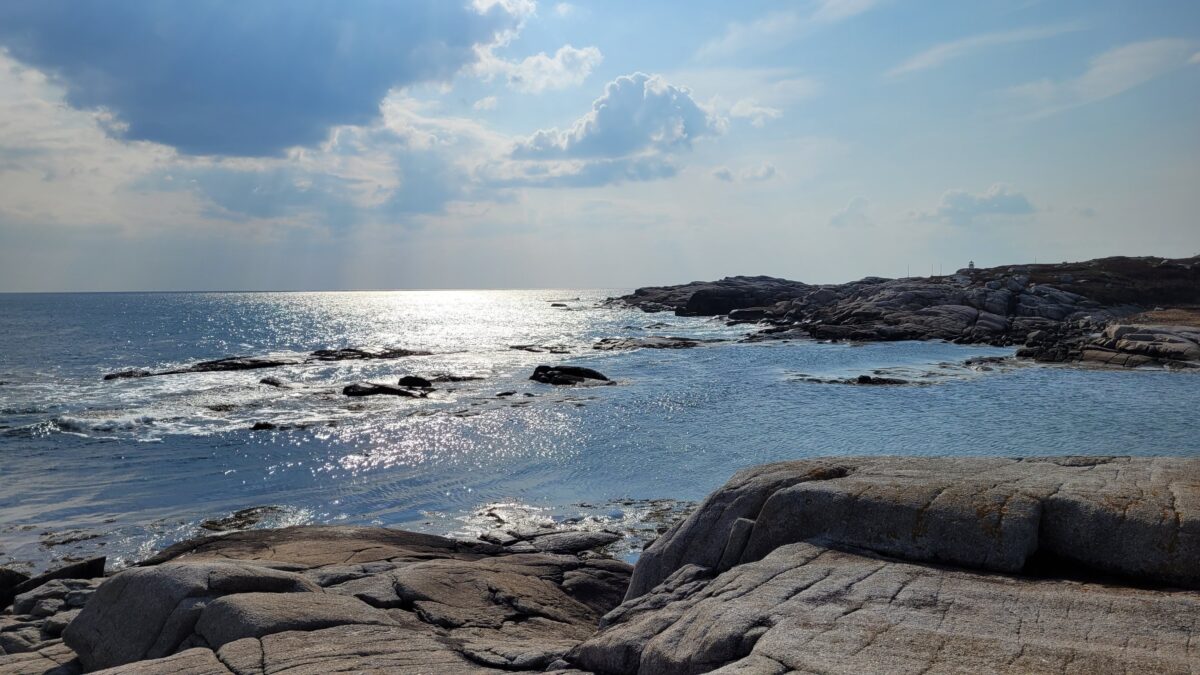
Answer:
(124, 467)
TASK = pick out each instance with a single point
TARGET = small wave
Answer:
(80, 425)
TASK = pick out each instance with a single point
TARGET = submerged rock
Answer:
(358, 354)
(566, 375)
(372, 389)
(240, 520)
(128, 375)
(617, 343)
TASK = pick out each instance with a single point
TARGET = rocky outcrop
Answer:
(873, 565)
(1000, 306)
(1119, 344)
(332, 599)
(568, 375)
(710, 298)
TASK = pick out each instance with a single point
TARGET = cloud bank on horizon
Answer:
(506, 143)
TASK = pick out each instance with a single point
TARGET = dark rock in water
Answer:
(273, 382)
(356, 354)
(264, 426)
(372, 389)
(415, 381)
(455, 378)
(616, 343)
(240, 520)
(867, 379)
(9, 580)
(537, 349)
(91, 568)
(558, 304)
(128, 375)
(505, 394)
(566, 375)
(232, 363)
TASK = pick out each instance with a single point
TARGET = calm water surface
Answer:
(125, 467)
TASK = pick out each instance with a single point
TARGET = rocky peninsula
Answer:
(837, 565)
(1116, 311)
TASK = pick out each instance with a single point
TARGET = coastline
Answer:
(868, 564)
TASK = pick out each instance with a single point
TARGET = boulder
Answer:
(9, 580)
(91, 568)
(151, 612)
(415, 381)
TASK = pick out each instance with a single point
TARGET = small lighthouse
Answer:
(970, 264)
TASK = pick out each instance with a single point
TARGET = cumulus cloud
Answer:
(637, 113)
(962, 208)
(941, 54)
(1109, 74)
(247, 78)
(853, 214)
(568, 67)
(486, 103)
(723, 173)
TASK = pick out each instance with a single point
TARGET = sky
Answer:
(313, 145)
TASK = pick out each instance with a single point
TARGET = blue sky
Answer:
(300, 144)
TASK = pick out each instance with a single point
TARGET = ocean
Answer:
(124, 467)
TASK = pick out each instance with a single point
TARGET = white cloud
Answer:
(758, 115)
(962, 208)
(753, 174)
(568, 67)
(637, 113)
(759, 173)
(853, 214)
(780, 28)
(1109, 74)
(564, 9)
(486, 103)
(941, 54)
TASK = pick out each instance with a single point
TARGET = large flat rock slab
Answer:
(806, 608)
(1130, 517)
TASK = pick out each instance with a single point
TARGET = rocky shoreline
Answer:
(845, 564)
(1055, 313)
